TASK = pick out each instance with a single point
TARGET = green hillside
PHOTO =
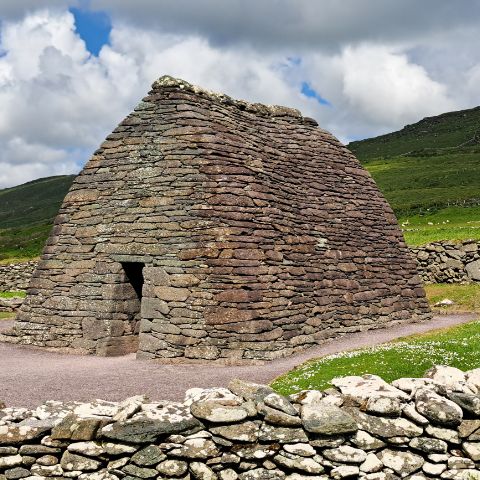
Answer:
(26, 215)
(430, 174)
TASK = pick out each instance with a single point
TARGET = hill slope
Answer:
(27, 212)
(452, 130)
(430, 174)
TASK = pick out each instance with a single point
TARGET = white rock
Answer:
(472, 449)
(448, 376)
(201, 471)
(472, 377)
(434, 469)
(345, 454)
(366, 386)
(401, 462)
(384, 405)
(443, 434)
(302, 449)
(306, 397)
(371, 464)
(344, 471)
(204, 394)
(10, 461)
(410, 412)
(91, 449)
(365, 441)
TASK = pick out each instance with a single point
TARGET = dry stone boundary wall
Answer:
(414, 428)
(449, 262)
(16, 276)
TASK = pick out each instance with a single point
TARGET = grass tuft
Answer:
(13, 294)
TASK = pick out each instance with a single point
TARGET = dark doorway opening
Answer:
(134, 273)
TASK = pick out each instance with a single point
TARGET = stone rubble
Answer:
(411, 429)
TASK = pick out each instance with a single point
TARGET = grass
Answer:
(6, 315)
(435, 197)
(446, 131)
(456, 346)
(16, 294)
(451, 223)
(422, 184)
(25, 243)
(430, 172)
(466, 297)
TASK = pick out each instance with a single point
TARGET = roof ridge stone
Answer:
(167, 81)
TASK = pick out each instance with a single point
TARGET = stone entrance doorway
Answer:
(134, 276)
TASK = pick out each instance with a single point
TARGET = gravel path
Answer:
(30, 376)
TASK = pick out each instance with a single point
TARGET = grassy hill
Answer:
(430, 174)
(26, 215)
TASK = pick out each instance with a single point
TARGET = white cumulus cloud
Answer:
(58, 102)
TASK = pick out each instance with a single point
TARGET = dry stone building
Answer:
(210, 228)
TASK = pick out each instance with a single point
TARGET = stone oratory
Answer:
(216, 229)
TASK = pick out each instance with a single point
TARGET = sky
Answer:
(71, 70)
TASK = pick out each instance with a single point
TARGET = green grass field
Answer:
(466, 298)
(456, 130)
(6, 315)
(451, 223)
(457, 347)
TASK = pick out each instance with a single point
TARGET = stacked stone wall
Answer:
(364, 428)
(16, 276)
(449, 262)
(439, 262)
(260, 235)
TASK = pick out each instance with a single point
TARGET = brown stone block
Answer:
(82, 196)
(194, 253)
(238, 296)
(253, 326)
(249, 254)
(183, 280)
(171, 294)
(116, 346)
(205, 352)
(229, 199)
(220, 316)
(181, 340)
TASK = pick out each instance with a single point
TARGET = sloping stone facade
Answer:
(209, 228)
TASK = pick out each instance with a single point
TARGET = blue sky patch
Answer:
(308, 91)
(93, 27)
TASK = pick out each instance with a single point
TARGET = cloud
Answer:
(56, 98)
(287, 24)
(21, 161)
(58, 101)
(384, 88)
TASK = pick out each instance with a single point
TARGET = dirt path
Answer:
(29, 376)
